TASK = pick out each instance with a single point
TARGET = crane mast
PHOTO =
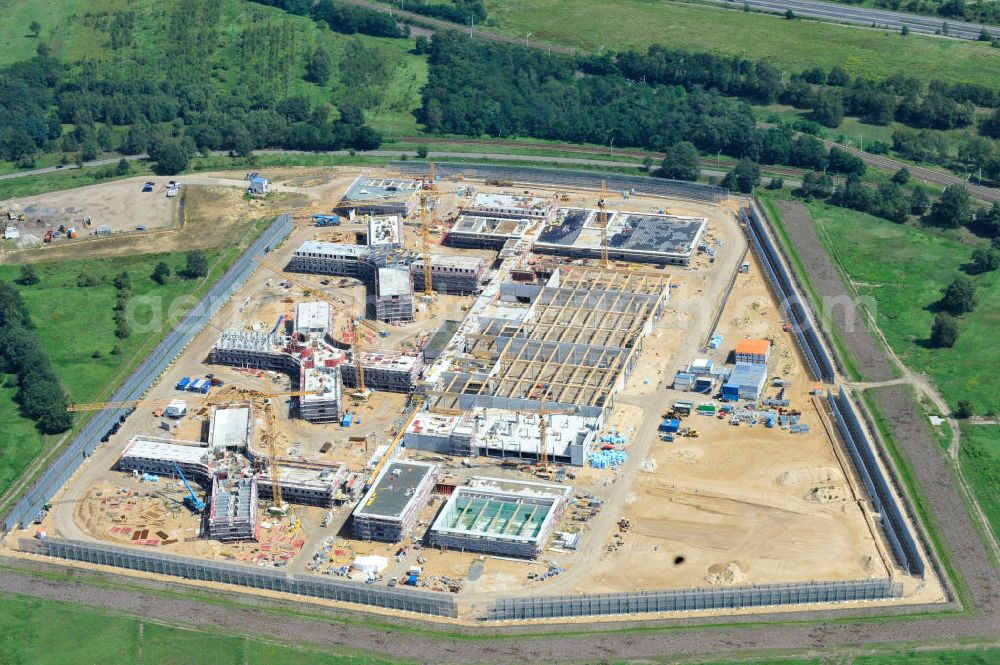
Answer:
(603, 205)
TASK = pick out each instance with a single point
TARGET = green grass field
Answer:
(41, 632)
(930, 657)
(980, 457)
(76, 30)
(73, 323)
(902, 268)
(595, 25)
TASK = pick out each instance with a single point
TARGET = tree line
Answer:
(39, 393)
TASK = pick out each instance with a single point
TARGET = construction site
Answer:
(454, 386)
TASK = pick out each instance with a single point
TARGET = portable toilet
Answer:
(347, 419)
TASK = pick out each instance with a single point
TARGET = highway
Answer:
(882, 18)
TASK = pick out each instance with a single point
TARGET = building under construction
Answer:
(333, 258)
(569, 438)
(307, 484)
(314, 365)
(389, 510)
(570, 342)
(232, 513)
(391, 371)
(514, 206)
(505, 518)
(630, 236)
(457, 275)
(381, 196)
(394, 295)
(480, 232)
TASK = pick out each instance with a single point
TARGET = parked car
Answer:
(148, 187)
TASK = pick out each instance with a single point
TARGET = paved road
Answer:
(883, 18)
(143, 377)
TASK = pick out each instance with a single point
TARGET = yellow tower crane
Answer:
(425, 244)
(278, 505)
(602, 204)
(543, 430)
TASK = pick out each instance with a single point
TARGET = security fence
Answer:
(808, 336)
(408, 600)
(507, 609)
(883, 500)
(89, 438)
(677, 189)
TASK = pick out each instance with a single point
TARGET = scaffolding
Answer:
(390, 507)
(233, 512)
(394, 296)
(500, 517)
(390, 371)
(458, 275)
(571, 342)
(333, 258)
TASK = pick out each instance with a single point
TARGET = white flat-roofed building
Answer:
(313, 318)
(502, 517)
(230, 427)
(504, 434)
(460, 275)
(332, 258)
(509, 205)
(158, 456)
(305, 484)
(384, 232)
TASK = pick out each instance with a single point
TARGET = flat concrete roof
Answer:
(332, 249)
(166, 450)
(313, 315)
(230, 427)
(394, 490)
(453, 261)
(529, 205)
(394, 282)
(633, 232)
(374, 189)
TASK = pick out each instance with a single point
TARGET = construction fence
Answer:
(806, 332)
(884, 502)
(764, 595)
(83, 445)
(408, 600)
(677, 189)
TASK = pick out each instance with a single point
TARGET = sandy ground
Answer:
(736, 505)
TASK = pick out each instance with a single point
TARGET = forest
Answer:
(184, 108)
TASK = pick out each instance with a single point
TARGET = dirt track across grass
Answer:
(868, 357)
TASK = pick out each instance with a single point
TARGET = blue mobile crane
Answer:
(191, 500)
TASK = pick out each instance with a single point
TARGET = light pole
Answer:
(612, 145)
(526, 40)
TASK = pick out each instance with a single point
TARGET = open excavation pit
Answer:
(536, 448)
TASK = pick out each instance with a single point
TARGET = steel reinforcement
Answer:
(764, 595)
(896, 530)
(422, 602)
(677, 189)
(89, 438)
(819, 361)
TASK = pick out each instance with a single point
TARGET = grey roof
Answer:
(395, 488)
(394, 282)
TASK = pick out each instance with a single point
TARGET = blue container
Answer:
(183, 383)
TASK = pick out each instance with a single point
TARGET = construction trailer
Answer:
(501, 517)
(391, 371)
(233, 509)
(458, 275)
(754, 351)
(394, 302)
(333, 258)
(389, 510)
